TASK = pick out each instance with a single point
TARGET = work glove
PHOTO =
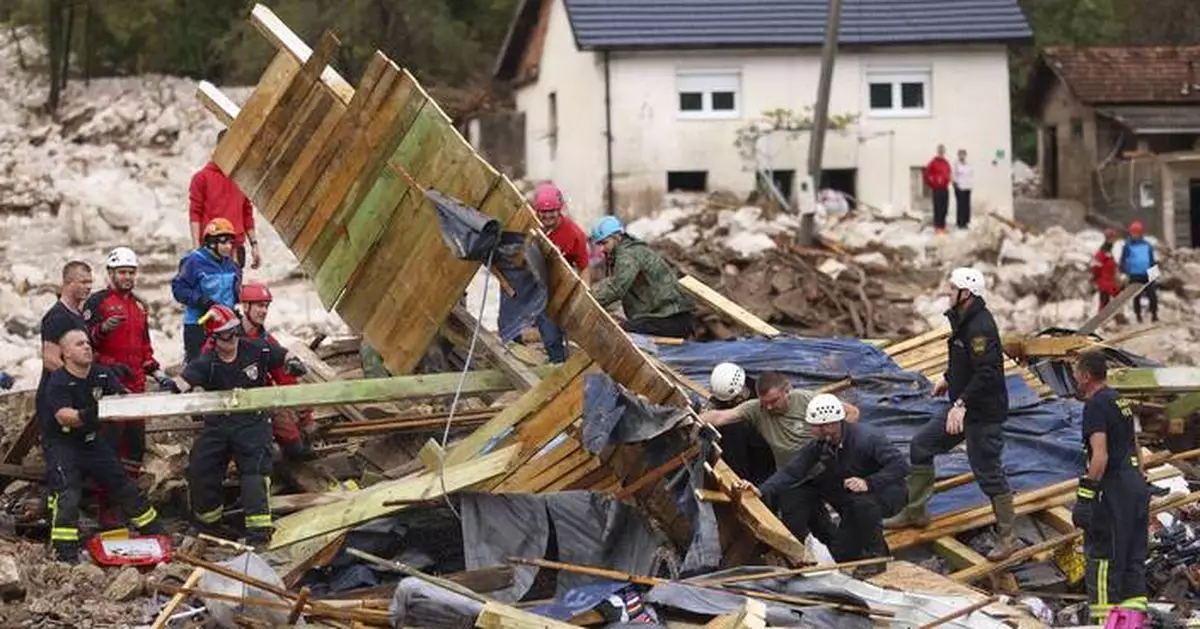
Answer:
(165, 382)
(205, 304)
(1085, 502)
(294, 367)
(89, 418)
(111, 324)
(150, 366)
(1124, 280)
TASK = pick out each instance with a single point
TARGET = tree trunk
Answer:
(54, 28)
(66, 44)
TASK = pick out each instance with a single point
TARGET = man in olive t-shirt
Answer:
(778, 415)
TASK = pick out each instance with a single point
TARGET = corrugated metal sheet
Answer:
(600, 24)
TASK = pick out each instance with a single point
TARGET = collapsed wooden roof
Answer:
(341, 174)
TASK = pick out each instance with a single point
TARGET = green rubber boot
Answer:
(920, 490)
(1006, 535)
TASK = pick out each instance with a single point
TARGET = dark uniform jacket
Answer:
(65, 390)
(863, 452)
(976, 369)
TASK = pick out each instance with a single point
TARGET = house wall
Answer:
(1118, 193)
(1177, 208)
(575, 159)
(1074, 127)
(969, 108)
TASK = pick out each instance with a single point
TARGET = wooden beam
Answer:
(755, 516)
(1059, 519)
(957, 554)
(522, 376)
(500, 616)
(1183, 406)
(1157, 380)
(1025, 348)
(1115, 305)
(217, 103)
(156, 405)
(432, 455)
(283, 39)
(368, 504)
(725, 306)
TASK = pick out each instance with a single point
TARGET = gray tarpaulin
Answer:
(473, 235)
(611, 414)
(417, 603)
(590, 528)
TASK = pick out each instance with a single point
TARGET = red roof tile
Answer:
(1128, 74)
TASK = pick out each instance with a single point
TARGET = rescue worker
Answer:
(214, 195)
(850, 467)
(572, 243)
(643, 282)
(1112, 504)
(974, 383)
(1137, 257)
(746, 452)
(207, 276)
(291, 428)
(66, 314)
(233, 363)
(779, 416)
(69, 422)
(120, 330)
(1104, 269)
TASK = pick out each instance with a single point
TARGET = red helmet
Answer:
(1110, 233)
(1136, 228)
(252, 293)
(219, 319)
(219, 227)
(547, 198)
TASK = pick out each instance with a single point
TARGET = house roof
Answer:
(658, 24)
(1155, 119)
(1120, 74)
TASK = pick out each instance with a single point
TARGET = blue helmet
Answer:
(606, 227)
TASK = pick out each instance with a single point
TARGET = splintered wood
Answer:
(341, 173)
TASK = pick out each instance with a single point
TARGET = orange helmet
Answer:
(252, 293)
(1136, 228)
(218, 227)
(219, 319)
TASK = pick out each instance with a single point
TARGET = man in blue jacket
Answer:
(208, 276)
(1136, 259)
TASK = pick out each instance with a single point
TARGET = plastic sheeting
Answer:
(1042, 446)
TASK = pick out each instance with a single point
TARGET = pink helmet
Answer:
(547, 198)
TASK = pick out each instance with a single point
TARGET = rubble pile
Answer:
(1037, 280)
(111, 169)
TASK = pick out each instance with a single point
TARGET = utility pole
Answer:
(816, 144)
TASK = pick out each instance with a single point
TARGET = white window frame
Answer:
(896, 77)
(705, 82)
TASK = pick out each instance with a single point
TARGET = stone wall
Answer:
(1041, 214)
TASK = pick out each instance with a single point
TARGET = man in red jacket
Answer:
(214, 195)
(120, 329)
(573, 243)
(291, 428)
(1104, 269)
(937, 177)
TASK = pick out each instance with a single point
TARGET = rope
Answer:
(462, 379)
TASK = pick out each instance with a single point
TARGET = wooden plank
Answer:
(432, 455)
(500, 616)
(287, 42)
(957, 554)
(928, 338)
(1160, 380)
(318, 371)
(1115, 305)
(1024, 348)
(522, 376)
(486, 436)
(217, 103)
(1059, 518)
(523, 475)
(368, 504)
(262, 100)
(756, 517)
(313, 129)
(154, 405)
(723, 305)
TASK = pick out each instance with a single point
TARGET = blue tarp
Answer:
(1043, 437)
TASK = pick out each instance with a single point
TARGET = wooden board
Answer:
(721, 304)
(368, 504)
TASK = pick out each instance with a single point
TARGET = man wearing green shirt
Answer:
(779, 416)
(643, 282)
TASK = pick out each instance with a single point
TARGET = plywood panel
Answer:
(270, 87)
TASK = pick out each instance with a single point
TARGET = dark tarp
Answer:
(473, 235)
(1042, 445)
(590, 529)
(614, 415)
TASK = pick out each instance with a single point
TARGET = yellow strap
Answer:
(1086, 493)
(64, 534)
(258, 521)
(210, 516)
(1135, 603)
(146, 518)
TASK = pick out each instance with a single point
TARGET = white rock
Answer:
(873, 260)
(832, 268)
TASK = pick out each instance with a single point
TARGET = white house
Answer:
(624, 100)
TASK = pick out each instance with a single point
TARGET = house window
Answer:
(687, 181)
(1076, 128)
(893, 93)
(552, 123)
(709, 94)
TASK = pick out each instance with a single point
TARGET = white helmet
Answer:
(122, 258)
(826, 408)
(727, 381)
(968, 279)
